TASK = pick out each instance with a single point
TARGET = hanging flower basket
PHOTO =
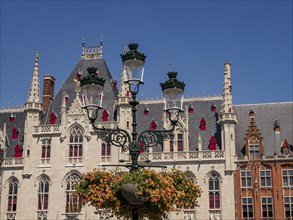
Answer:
(154, 194)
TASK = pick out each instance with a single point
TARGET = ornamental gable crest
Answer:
(75, 108)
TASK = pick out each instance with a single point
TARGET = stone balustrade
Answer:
(283, 157)
(182, 156)
(47, 129)
(13, 162)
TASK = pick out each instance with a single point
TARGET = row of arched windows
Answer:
(72, 204)
(72, 199)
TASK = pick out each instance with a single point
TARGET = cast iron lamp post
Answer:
(133, 69)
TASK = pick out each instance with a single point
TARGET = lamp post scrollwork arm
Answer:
(133, 72)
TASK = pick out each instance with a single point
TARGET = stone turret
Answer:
(33, 101)
(228, 120)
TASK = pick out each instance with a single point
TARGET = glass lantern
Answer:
(133, 67)
(92, 92)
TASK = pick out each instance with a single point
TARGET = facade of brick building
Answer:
(264, 184)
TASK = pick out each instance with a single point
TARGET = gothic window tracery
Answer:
(72, 199)
(46, 149)
(253, 145)
(214, 191)
(43, 193)
(106, 149)
(76, 142)
(12, 195)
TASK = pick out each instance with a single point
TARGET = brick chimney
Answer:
(48, 91)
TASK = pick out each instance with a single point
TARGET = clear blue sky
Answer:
(194, 37)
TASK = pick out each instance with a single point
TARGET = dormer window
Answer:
(105, 115)
(213, 143)
(253, 147)
(153, 125)
(53, 117)
(285, 147)
(146, 111)
(202, 125)
(15, 132)
(12, 117)
(17, 151)
(190, 109)
(213, 108)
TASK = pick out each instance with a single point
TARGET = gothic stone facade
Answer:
(48, 145)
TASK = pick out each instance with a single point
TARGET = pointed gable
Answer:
(285, 147)
(69, 86)
(253, 140)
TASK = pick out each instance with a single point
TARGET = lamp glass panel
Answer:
(92, 95)
(134, 70)
(173, 98)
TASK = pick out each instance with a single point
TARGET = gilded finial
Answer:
(78, 88)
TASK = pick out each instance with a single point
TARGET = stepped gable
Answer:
(202, 108)
(18, 123)
(265, 116)
(69, 87)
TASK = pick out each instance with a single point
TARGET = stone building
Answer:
(50, 143)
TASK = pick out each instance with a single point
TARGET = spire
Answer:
(227, 90)
(34, 93)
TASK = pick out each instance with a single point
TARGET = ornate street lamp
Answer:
(133, 70)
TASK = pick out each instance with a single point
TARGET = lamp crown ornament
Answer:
(172, 82)
(92, 77)
(133, 54)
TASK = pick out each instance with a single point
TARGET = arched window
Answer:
(106, 150)
(176, 141)
(75, 142)
(43, 193)
(214, 191)
(72, 198)
(46, 149)
(12, 195)
(254, 150)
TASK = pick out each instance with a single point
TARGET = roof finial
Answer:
(83, 40)
(37, 59)
(170, 67)
(101, 44)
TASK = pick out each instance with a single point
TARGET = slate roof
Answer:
(18, 123)
(265, 116)
(69, 86)
(202, 108)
